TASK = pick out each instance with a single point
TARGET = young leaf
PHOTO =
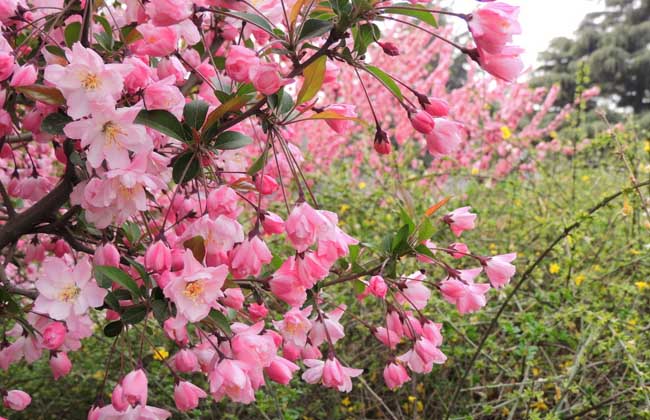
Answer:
(194, 113)
(105, 274)
(426, 230)
(212, 122)
(314, 74)
(162, 121)
(196, 244)
(387, 81)
(46, 94)
(221, 320)
(230, 140)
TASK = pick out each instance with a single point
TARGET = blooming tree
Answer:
(143, 148)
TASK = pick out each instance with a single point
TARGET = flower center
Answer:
(90, 81)
(111, 131)
(193, 289)
(69, 293)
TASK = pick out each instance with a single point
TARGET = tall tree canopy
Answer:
(615, 44)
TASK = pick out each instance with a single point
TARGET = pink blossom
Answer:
(445, 138)
(247, 258)
(185, 361)
(134, 388)
(463, 292)
(302, 226)
(266, 78)
(327, 327)
(229, 378)
(499, 270)
(87, 84)
(460, 248)
(54, 335)
(233, 298)
(295, 326)
(110, 135)
(168, 12)
(311, 268)
(346, 112)
(257, 311)
(377, 286)
(164, 95)
(64, 290)
(251, 347)
(414, 292)
(331, 373)
(223, 201)
(395, 375)
(157, 41)
(239, 61)
(107, 254)
(286, 285)
(437, 107)
(158, 257)
(506, 65)
(7, 65)
(460, 220)
(423, 122)
(16, 400)
(24, 75)
(175, 329)
(266, 184)
(187, 395)
(195, 289)
(281, 370)
(493, 26)
(60, 365)
(272, 223)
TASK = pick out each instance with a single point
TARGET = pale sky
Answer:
(541, 20)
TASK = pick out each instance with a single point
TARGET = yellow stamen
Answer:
(193, 289)
(90, 81)
(69, 293)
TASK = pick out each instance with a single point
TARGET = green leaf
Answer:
(424, 250)
(400, 240)
(426, 230)
(406, 9)
(72, 33)
(211, 124)
(313, 28)
(105, 40)
(388, 81)
(134, 314)
(162, 121)
(105, 274)
(259, 163)
(254, 20)
(194, 113)
(112, 302)
(221, 320)
(359, 287)
(46, 94)
(314, 74)
(146, 278)
(186, 168)
(55, 122)
(230, 140)
(365, 35)
(160, 310)
(56, 50)
(113, 329)
(406, 219)
(131, 231)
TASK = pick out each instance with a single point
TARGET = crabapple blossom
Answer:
(65, 290)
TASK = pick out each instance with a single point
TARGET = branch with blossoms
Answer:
(148, 160)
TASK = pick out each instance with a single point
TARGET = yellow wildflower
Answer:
(346, 401)
(579, 279)
(642, 285)
(160, 353)
(585, 178)
(474, 171)
(554, 268)
(362, 185)
(540, 405)
(506, 133)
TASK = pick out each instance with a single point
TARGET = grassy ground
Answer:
(574, 341)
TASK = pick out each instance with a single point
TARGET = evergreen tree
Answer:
(615, 43)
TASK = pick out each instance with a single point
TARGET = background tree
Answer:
(613, 42)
